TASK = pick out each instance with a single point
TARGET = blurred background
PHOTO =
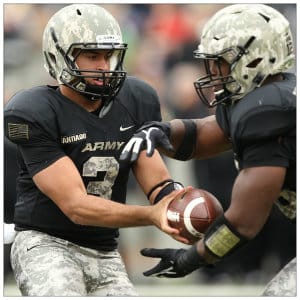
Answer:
(161, 39)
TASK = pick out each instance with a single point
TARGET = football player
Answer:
(71, 185)
(245, 50)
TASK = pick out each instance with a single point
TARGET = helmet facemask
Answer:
(210, 88)
(225, 87)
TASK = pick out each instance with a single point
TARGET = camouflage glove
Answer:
(149, 136)
(174, 263)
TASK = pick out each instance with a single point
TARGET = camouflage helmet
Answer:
(254, 39)
(84, 27)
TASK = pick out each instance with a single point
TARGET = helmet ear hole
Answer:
(253, 64)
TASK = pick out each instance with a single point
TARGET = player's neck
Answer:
(80, 99)
(273, 78)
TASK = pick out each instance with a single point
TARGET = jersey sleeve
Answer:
(261, 124)
(265, 153)
(267, 112)
(35, 137)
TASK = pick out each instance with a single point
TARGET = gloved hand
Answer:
(174, 263)
(149, 136)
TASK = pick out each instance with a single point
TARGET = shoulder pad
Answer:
(138, 89)
(32, 104)
(267, 112)
(140, 99)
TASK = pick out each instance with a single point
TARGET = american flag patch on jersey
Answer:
(18, 131)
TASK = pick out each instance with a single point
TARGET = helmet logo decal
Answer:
(108, 39)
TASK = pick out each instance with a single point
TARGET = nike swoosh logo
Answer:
(125, 128)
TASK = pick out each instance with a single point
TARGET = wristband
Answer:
(186, 148)
(221, 238)
(158, 185)
(167, 189)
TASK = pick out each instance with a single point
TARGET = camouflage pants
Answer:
(47, 266)
(284, 284)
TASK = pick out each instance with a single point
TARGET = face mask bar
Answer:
(73, 78)
(205, 85)
(112, 83)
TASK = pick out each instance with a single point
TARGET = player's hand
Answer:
(158, 214)
(167, 265)
(149, 136)
(174, 263)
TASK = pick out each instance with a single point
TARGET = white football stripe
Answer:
(173, 216)
(187, 215)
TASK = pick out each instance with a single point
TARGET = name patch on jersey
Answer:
(110, 145)
(73, 138)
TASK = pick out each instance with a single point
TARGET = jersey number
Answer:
(92, 167)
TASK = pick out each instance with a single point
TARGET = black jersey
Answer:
(47, 126)
(262, 129)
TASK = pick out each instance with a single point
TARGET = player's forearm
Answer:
(96, 211)
(69, 194)
(199, 138)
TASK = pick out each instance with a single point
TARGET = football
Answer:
(193, 213)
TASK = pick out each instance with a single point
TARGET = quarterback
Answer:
(71, 188)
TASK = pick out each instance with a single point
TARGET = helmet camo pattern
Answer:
(83, 26)
(255, 40)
